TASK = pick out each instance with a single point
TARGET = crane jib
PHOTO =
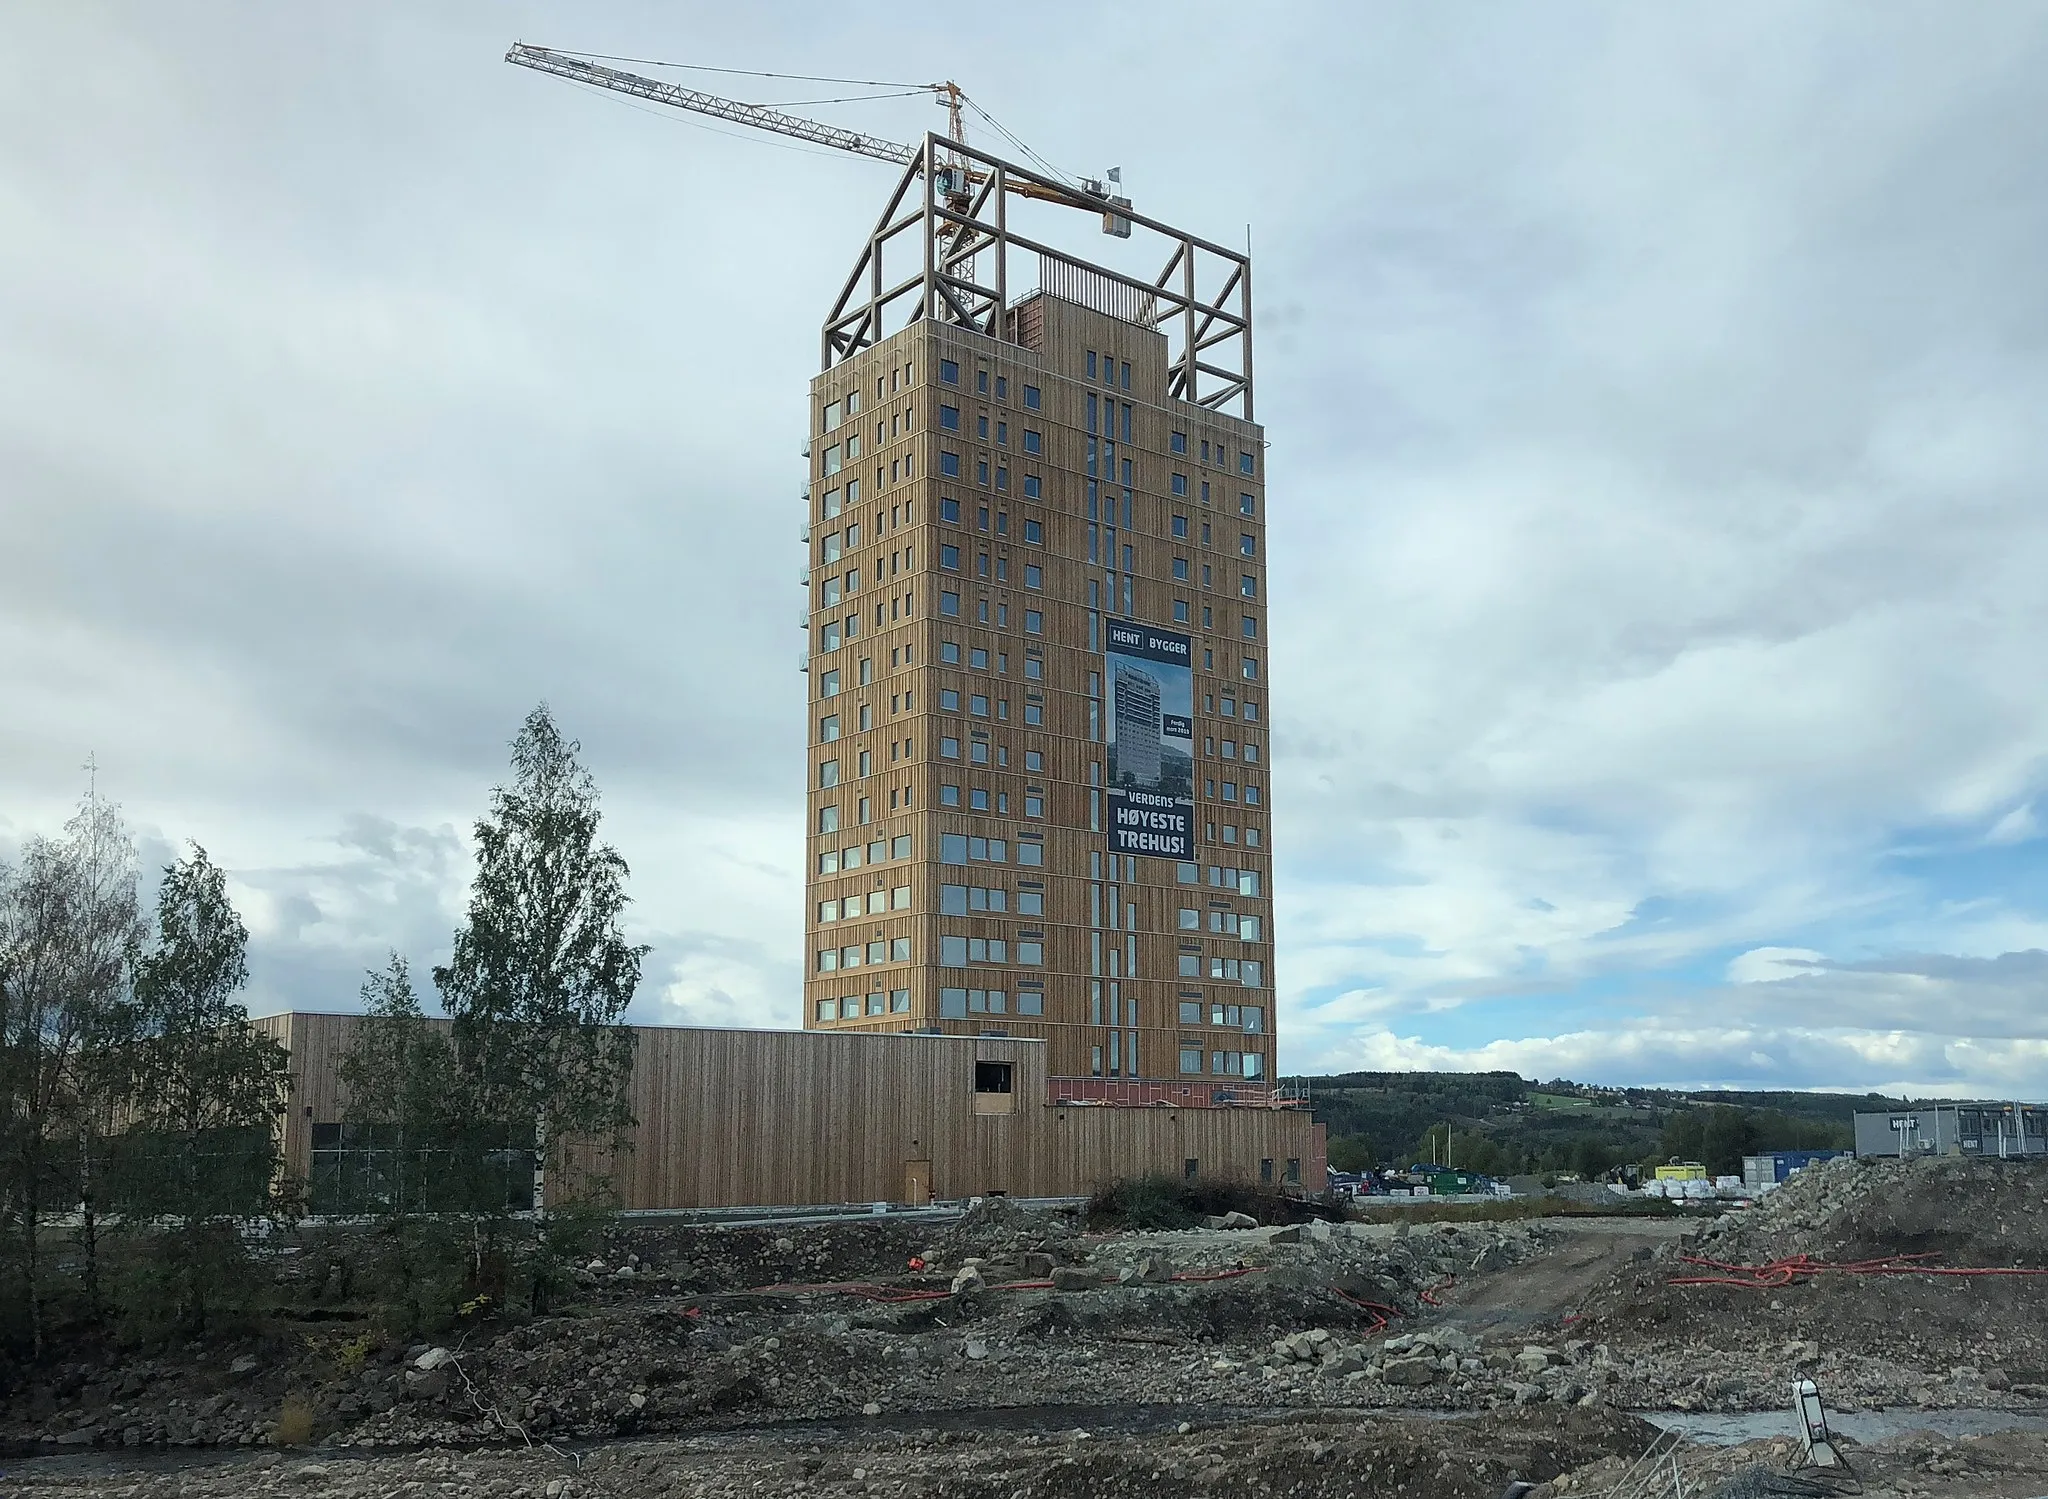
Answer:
(657, 92)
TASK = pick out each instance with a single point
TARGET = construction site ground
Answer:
(1027, 1356)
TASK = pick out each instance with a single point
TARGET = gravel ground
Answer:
(714, 1360)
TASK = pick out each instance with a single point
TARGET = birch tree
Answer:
(541, 972)
(68, 918)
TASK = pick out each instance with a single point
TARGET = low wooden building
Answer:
(730, 1118)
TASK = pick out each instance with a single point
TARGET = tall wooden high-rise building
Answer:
(1038, 659)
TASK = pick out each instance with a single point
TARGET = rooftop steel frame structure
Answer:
(953, 203)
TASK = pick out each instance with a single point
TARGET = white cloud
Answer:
(1764, 965)
(1656, 542)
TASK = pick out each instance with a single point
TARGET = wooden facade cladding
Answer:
(732, 1118)
(899, 692)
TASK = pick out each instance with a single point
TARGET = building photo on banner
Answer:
(1151, 741)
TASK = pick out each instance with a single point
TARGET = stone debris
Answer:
(720, 1328)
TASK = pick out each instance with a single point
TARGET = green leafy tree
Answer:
(414, 1156)
(68, 916)
(1352, 1153)
(541, 972)
(204, 1095)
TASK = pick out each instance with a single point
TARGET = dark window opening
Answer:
(992, 1077)
(1190, 1168)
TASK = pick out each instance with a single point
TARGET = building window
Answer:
(1251, 628)
(1251, 668)
(1180, 484)
(1034, 622)
(1190, 1056)
(949, 418)
(1180, 569)
(949, 509)
(1248, 545)
(949, 558)
(949, 604)
(828, 773)
(949, 372)
(949, 796)
(1031, 954)
(1246, 505)
(949, 465)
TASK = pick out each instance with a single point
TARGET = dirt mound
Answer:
(1970, 1210)
(1094, 1454)
(1934, 1339)
(714, 1257)
(997, 1227)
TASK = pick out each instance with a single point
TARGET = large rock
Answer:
(1410, 1371)
(1234, 1220)
(1343, 1361)
(969, 1281)
(1074, 1278)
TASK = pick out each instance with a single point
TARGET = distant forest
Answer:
(1507, 1125)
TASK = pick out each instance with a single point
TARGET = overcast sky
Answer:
(1658, 401)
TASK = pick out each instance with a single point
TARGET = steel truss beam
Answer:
(955, 200)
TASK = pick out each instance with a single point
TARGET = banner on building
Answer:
(1151, 741)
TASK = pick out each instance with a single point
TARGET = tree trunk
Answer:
(32, 1234)
(88, 1223)
(540, 1170)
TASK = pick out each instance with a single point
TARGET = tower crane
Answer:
(955, 180)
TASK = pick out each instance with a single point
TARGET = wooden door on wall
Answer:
(917, 1182)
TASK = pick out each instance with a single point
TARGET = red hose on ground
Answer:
(1793, 1269)
(1382, 1314)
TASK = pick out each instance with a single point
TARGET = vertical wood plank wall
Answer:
(731, 1118)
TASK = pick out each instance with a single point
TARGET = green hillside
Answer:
(1502, 1123)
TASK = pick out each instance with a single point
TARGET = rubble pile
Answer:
(667, 1342)
(1914, 1465)
(1885, 1339)
(1968, 1210)
(1307, 1458)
